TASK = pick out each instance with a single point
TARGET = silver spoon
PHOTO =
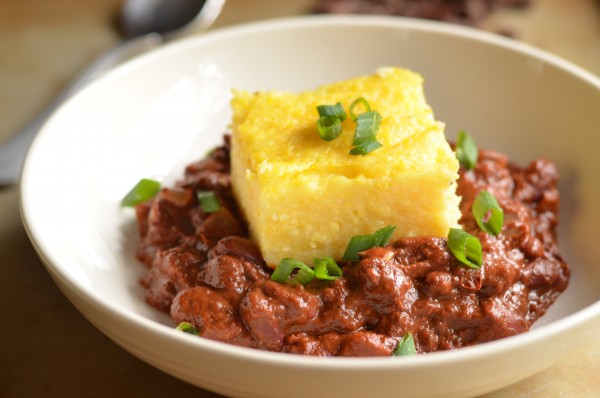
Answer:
(146, 24)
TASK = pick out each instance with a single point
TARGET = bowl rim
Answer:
(549, 330)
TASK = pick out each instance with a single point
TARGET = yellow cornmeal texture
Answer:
(304, 197)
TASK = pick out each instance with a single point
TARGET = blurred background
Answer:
(48, 349)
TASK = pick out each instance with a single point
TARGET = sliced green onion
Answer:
(406, 346)
(366, 148)
(144, 190)
(209, 201)
(382, 236)
(284, 270)
(329, 127)
(367, 126)
(327, 269)
(210, 152)
(488, 213)
(465, 247)
(357, 103)
(358, 243)
(336, 110)
(187, 328)
(330, 121)
(466, 150)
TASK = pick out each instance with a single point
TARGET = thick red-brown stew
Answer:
(203, 269)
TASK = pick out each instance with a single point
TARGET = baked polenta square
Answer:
(305, 197)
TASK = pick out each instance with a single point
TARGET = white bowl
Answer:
(163, 110)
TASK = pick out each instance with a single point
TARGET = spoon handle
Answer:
(13, 150)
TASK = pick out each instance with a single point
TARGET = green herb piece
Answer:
(488, 213)
(327, 269)
(284, 269)
(336, 111)
(366, 148)
(358, 103)
(367, 126)
(187, 328)
(406, 346)
(382, 236)
(466, 150)
(330, 121)
(465, 247)
(208, 201)
(211, 152)
(358, 243)
(144, 190)
(329, 127)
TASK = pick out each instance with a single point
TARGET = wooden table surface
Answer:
(47, 349)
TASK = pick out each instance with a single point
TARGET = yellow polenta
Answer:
(304, 197)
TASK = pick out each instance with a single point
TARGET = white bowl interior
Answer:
(164, 110)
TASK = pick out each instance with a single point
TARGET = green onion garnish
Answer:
(187, 328)
(327, 269)
(330, 121)
(366, 148)
(406, 346)
(210, 152)
(209, 201)
(358, 243)
(144, 190)
(329, 124)
(329, 127)
(466, 150)
(465, 247)
(488, 213)
(367, 126)
(336, 111)
(284, 270)
(359, 102)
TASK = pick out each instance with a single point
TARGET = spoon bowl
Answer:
(167, 17)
